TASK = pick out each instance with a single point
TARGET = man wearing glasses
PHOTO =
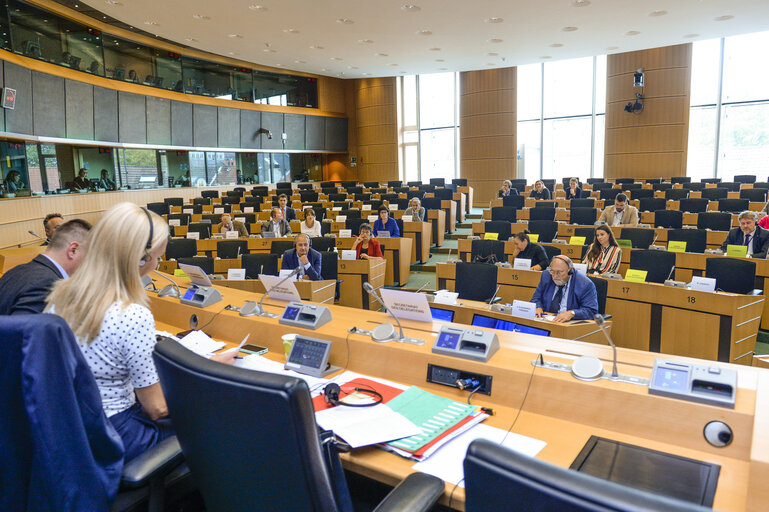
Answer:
(565, 292)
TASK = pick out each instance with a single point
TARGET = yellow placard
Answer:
(738, 251)
(180, 273)
(491, 236)
(534, 237)
(635, 276)
(676, 246)
(577, 240)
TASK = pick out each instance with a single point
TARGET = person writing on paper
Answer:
(82, 182)
(750, 235)
(527, 250)
(573, 192)
(366, 247)
(106, 307)
(276, 224)
(605, 254)
(227, 224)
(621, 214)
(540, 191)
(415, 210)
(310, 226)
(507, 189)
(385, 223)
(302, 255)
(565, 292)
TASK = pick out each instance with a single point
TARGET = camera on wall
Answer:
(635, 107)
(638, 78)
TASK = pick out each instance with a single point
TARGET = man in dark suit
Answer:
(303, 256)
(276, 224)
(565, 292)
(24, 288)
(289, 213)
(749, 233)
(51, 223)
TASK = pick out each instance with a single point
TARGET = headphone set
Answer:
(566, 260)
(331, 394)
(147, 256)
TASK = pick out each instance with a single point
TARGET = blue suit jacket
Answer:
(760, 241)
(24, 288)
(582, 298)
(291, 261)
(391, 226)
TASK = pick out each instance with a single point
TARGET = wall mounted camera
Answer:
(635, 107)
(638, 78)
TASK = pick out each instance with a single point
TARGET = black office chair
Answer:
(658, 264)
(259, 263)
(711, 180)
(625, 181)
(201, 200)
(582, 216)
(538, 486)
(745, 178)
(227, 207)
(329, 269)
(549, 184)
(650, 204)
(230, 200)
(204, 262)
(731, 186)
(661, 186)
(733, 205)
(588, 233)
(323, 243)
(696, 239)
(279, 246)
(310, 476)
(303, 186)
(444, 194)
(475, 281)
(351, 214)
(714, 221)
(395, 183)
(484, 248)
(202, 228)
(354, 226)
(673, 219)
(593, 181)
(681, 179)
(213, 218)
(174, 201)
(183, 218)
(517, 202)
(546, 229)
(545, 204)
(641, 193)
(283, 186)
(694, 186)
(337, 197)
(609, 194)
(505, 213)
(601, 290)
(230, 249)
(379, 190)
(501, 227)
(676, 194)
(159, 208)
(344, 205)
(354, 190)
(715, 194)
(459, 182)
(640, 237)
(329, 190)
(519, 185)
(761, 184)
(694, 205)
(327, 184)
(582, 203)
(181, 248)
(308, 196)
(431, 203)
(753, 194)
(602, 185)
(389, 197)
(650, 181)
(541, 214)
(370, 184)
(733, 275)
(210, 193)
(361, 197)
(551, 251)
(260, 191)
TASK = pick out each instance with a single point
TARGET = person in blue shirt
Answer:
(385, 223)
(565, 292)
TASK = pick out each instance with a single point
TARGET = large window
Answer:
(729, 116)
(561, 118)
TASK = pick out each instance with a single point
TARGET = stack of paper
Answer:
(200, 343)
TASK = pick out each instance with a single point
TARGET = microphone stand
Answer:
(599, 319)
(251, 308)
(169, 290)
(402, 338)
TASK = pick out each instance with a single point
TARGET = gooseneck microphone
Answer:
(252, 308)
(169, 290)
(36, 235)
(422, 287)
(601, 322)
(386, 332)
(491, 300)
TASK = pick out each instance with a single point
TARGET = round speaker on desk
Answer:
(383, 333)
(587, 368)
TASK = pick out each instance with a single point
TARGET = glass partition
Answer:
(13, 168)
(285, 90)
(133, 62)
(211, 79)
(139, 168)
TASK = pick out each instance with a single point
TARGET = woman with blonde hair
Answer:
(106, 307)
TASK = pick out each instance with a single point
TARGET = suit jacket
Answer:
(24, 288)
(629, 215)
(512, 192)
(760, 241)
(290, 214)
(575, 195)
(285, 229)
(374, 249)
(291, 261)
(236, 226)
(582, 297)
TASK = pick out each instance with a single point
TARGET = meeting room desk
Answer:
(352, 274)
(321, 292)
(397, 253)
(548, 405)
(421, 235)
(460, 199)
(438, 220)
(9, 258)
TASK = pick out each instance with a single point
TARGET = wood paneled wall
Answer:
(375, 124)
(653, 143)
(488, 130)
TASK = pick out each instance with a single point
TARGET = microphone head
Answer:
(599, 319)
(367, 286)
(296, 271)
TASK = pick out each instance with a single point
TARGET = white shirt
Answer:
(313, 231)
(58, 267)
(617, 217)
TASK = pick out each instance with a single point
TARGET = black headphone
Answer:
(565, 260)
(331, 394)
(147, 256)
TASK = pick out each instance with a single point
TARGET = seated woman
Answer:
(13, 182)
(507, 189)
(525, 249)
(605, 254)
(365, 246)
(385, 223)
(310, 226)
(539, 191)
(573, 192)
(415, 210)
(113, 325)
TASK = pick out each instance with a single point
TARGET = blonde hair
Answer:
(109, 272)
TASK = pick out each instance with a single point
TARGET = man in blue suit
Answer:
(565, 292)
(304, 256)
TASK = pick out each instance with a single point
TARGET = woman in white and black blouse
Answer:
(605, 254)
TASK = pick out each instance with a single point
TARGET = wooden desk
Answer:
(352, 274)
(9, 258)
(397, 255)
(421, 234)
(549, 405)
(461, 200)
(438, 220)
(321, 292)
(469, 202)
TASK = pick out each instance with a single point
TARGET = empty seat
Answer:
(337, 197)
(475, 281)
(602, 185)
(715, 194)
(283, 185)
(588, 233)
(745, 178)
(641, 193)
(625, 181)
(181, 248)
(445, 194)
(661, 186)
(354, 225)
(396, 183)
(183, 218)
(460, 182)
(582, 203)
(546, 229)
(519, 185)
(640, 237)
(303, 186)
(514, 201)
(694, 205)
(650, 204)
(484, 248)
(601, 291)
(209, 193)
(658, 264)
(370, 184)
(308, 196)
(174, 201)
(545, 204)
(505, 213)
(710, 180)
(583, 216)
(696, 239)
(159, 208)
(541, 213)
(731, 186)
(260, 191)
(204, 262)
(680, 179)
(593, 181)
(732, 275)
(676, 194)
(694, 186)
(733, 205)
(609, 194)
(502, 228)
(753, 194)
(202, 228)
(327, 184)
(361, 197)
(323, 243)
(348, 184)
(201, 200)
(279, 246)
(669, 219)
(259, 263)
(714, 221)
(551, 251)
(229, 249)
(351, 214)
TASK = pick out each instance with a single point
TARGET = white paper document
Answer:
(200, 343)
(262, 364)
(364, 426)
(446, 463)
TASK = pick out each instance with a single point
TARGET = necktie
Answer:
(747, 239)
(555, 305)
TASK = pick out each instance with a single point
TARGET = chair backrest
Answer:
(694, 186)
(303, 186)
(657, 264)
(582, 216)
(201, 200)
(209, 193)
(230, 200)
(662, 186)
(485, 247)
(361, 196)
(354, 190)
(601, 185)
(753, 194)
(308, 196)
(640, 237)
(183, 218)
(181, 248)
(203, 228)
(546, 229)
(506, 213)
(226, 207)
(349, 184)
(259, 263)
(476, 281)
(745, 178)
(669, 219)
(608, 194)
(213, 218)
(732, 275)
(329, 190)
(444, 193)
(174, 201)
(323, 243)
(344, 205)
(204, 262)
(283, 186)
(710, 180)
(582, 203)
(514, 201)
(431, 203)
(625, 181)
(681, 179)
(715, 194)
(640, 193)
(395, 183)
(328, 265)
(519, 184)
(351, 214)
(159, 208)
(542, 213)
(696, 239)
(379, 190)
(733, 205)
(370, 184)
(389, 197)
(354, 225)
(260, 191)
(676, 194)
(731, 186)
(588, 233)
(545, 204)
(228, 249)
(650, 204)
(601, 290)
(551, 251)
(327, 184)
(502, 227)
(279, 246)
(337, 197)
(694, 205)
(714, 221)
(438, 182)
(460, 182)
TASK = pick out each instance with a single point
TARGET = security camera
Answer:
(635, 107)
(638, 78)
(265, 131)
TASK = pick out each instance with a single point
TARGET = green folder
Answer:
(624, 243)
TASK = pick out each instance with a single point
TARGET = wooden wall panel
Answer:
(654, 142)
(488, 130)
(376, 129)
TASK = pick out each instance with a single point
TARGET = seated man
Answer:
(621, 214)
(24, 288)
(750, 234)
(51, 222)
(507, 189)
(288, 213)
(303, 256)
(565, 292)
(276, 224)
(227, 224)
(105, 182)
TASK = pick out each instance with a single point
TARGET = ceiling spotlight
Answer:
(150, 22)
(380, 55)
(490, 64)
(352, 67)
(269, 50)
(425, 32)
(335, 58)
(316, 47)
(443, 69)
(201, 17)
(300, 62)
(111, 2)
(393, 65)
(279, 65)
(232, 53)
(632, 33)
(410, 8)
(365, 74)
(658, 12)
(569, 29)
(691, 36)
(440, 60)
(580, 3)
(188, 39)
(235, 36)
(495, 40)
(724, 18)
(494, 19)
(290, 31)
(365, 41)
(434, 49)
(556, 45)
(255, 7)
(546, 57)
(492, 54)
(345, 21)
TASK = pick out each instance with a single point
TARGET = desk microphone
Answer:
(36, 235)
(491, 300)
(601, 321)
(386, 332)
(251, 308)
(422, 287)
(652, 246)
(673, 282)
(169, 290)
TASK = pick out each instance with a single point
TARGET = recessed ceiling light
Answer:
(235, 36)
(691, 36)
(300, 62)
(580, 3)
(191, 39)
(410, 8)
(380, 55)
(443, 69)
(434, 49)
(658, 12)
(268, 50)
(233, 53)
(569, 29)
(365, 74)
(256, 7)
(290, 31)
(546, 57)
(495, 40)
(393, 65)
(425, 32)
(492, 54)
(632, 33)
(111, 2)
(365, 41)
(316, 47)
(345, 21)
(490, 64)
(150, 22)
(726, 17)
(440, 60)
(323, 69)
(335, 58)
(352, 67)
(556, 45)
(279, 65)
(201, 17)
(494, 19)
(610, 48)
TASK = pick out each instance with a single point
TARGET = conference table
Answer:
(541, 403)
(321, 292)
(9, 258)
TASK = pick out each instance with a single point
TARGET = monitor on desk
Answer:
(504, 325)
(445, 315)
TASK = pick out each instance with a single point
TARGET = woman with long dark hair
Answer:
(605, 254)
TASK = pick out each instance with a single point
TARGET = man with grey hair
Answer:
(750, 234)
(507, 189)
(24, 288)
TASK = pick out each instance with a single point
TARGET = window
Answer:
(285, 90)
(133, 62)
(139, 168)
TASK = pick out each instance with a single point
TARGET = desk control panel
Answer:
(309, 316)
(474, 344)
(309, 356)
(702, 383)
(200, 296)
